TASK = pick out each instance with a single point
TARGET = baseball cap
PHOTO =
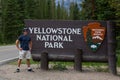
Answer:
(25, 30)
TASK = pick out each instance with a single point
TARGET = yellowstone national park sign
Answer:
(61, 39)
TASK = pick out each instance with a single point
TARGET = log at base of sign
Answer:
(44, 61)
(78, 60)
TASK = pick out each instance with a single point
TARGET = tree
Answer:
(115, 4)
(86, 10)
(64, 11)
(49, 9)
(71, 10)
(29, 9)
(97, 10)
(12, 20)
(58, 11)
(76, 12)
(53, 9)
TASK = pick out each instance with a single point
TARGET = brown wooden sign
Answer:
(62, 38)
(76, 41)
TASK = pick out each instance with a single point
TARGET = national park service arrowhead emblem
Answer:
(94, 34)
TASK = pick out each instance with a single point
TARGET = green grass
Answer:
(58, 66)
(94, 64)
(118, 60)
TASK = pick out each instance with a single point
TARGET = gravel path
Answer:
(7, 71)
(3, 78)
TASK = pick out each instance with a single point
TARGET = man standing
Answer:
(24, 45)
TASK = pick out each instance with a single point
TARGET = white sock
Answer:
(29, 67)
(18, 68)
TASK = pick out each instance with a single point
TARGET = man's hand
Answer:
(30, 45)
(20, 49)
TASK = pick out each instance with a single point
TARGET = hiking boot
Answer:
(30, 70)
(17, 70)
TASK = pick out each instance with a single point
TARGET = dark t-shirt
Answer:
(24, 42)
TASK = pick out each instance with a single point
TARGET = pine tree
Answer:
(71, 10)
(53, 9)
(49, 9)
(76, 12)
(12, 20)
(58, 11)
(30, 7)
(86, 11)
(97, 10)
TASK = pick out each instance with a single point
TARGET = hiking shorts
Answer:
(24, 54)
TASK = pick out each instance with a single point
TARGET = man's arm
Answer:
(17, 45)
(30, 45)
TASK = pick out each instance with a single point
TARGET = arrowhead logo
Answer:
(94, 35)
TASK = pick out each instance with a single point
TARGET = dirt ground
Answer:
(7, 72)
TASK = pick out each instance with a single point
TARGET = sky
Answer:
(67, 2)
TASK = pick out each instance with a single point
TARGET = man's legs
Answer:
(21, 55)
(19, 62)
(28, 62)
(28, 57)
